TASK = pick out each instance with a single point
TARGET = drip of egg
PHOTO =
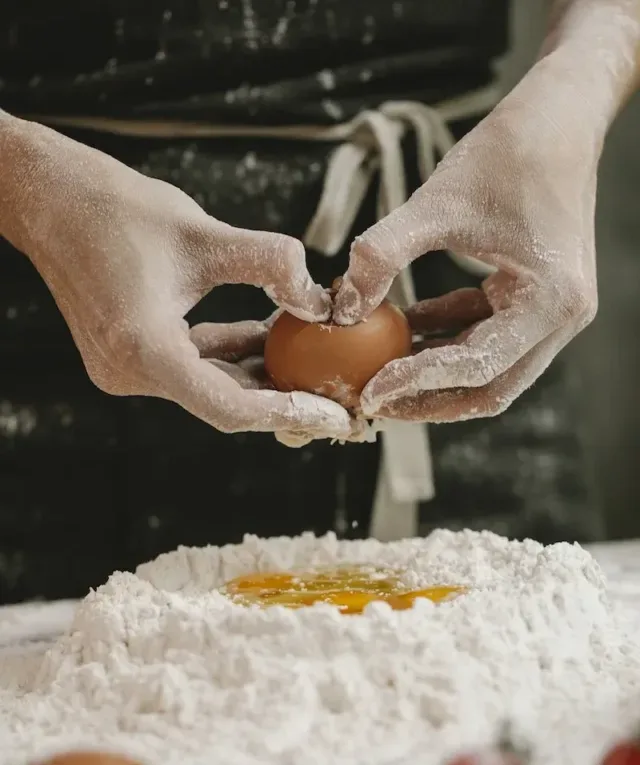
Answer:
(350, 588)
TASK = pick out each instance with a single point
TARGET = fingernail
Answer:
(367, 404)
(368, 408)
(293, 440)
(316, 308)
(322, 304)
(347, 307)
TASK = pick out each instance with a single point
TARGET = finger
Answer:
(493, 399)
(293, 440)
(229, 342)
(244, 376)
(441, 342)
(254, 365)
(432, 342)
(361, 432)
(274, 262)
(454, 310)
(210, 394)
(214, 397)
(381, 253)
(487, 351)
(271, 320)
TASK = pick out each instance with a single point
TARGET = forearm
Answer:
(598, 42)
(6, 169)
(24, 157)
(10, 174)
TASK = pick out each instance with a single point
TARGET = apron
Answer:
(340, 86)
(369, 143)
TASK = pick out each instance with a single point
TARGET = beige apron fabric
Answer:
(368, 143)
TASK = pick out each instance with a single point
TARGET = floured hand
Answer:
(126, 257)
(519, 194)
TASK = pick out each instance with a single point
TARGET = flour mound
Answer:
(163, 667)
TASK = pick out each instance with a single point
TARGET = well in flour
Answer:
(164, 667)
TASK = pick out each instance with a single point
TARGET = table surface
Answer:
(43, 622)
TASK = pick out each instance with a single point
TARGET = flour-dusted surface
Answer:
(161, 666)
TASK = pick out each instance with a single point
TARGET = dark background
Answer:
(607, 354)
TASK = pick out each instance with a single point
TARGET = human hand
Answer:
(519, 194)
(126, 257)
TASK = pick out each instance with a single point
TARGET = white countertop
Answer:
(43, 622)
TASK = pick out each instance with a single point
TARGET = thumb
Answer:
(233, 403)
(378, 256)
(229, 342)
(274, 262)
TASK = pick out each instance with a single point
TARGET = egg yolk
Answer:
(351, 589)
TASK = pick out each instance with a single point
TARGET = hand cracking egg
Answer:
(331, 360)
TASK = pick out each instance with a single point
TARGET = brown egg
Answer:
(88, 758)
(334, 361)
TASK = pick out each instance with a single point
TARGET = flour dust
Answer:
(161, 666)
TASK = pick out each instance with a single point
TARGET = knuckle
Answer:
(566, 297)
(589, 314)
(371, 253)
(122, 342)
(483, 371)
(289, 255)
(574, 300)
(127, 347)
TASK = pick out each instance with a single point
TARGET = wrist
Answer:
(555, 112)
(597, 44)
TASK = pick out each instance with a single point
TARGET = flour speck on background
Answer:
(160, 665)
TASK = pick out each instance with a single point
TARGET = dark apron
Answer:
(90, 483)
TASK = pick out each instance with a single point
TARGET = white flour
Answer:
(162, 667)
